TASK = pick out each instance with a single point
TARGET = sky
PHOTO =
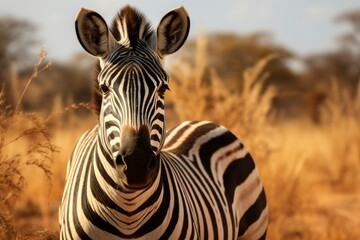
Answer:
(303, 26)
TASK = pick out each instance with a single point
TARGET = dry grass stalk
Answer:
(25, 141)
(65, 110)
(35, 73)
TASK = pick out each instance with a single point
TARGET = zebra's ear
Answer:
(93, 33)
(172, 31)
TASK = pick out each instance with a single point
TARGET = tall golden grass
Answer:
(25, 142)
(310, 171)
(245, 112)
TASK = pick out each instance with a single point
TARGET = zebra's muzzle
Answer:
(136, 160)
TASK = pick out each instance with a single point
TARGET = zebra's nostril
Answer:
(119, 161)
(152, 162)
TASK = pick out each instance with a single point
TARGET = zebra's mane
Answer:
(130, 25)
(96, 95)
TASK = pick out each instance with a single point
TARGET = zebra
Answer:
(127, 178)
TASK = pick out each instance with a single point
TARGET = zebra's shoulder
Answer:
(190, 135)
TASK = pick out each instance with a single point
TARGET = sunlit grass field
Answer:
(311, 171)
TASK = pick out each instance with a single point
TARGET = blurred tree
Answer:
(351, 40)
(342, 63)
(230, 54)
(16, 39)
(61, 86)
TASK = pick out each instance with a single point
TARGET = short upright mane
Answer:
(96, 95)
(130, 25)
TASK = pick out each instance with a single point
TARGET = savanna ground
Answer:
(311, 171)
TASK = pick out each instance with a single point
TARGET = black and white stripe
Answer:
(139, 102)
(201, 182)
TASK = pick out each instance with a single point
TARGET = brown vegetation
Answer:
(25, 142)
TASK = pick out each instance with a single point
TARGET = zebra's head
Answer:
(131, 84)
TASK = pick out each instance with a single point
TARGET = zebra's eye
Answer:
(104, 89)
(162, 90)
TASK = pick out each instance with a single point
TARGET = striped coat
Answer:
(207, 188)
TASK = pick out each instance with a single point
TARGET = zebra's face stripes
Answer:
(132, 83)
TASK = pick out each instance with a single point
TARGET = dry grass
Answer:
(199, 98)
(25, 142)
(310, 172)
(32, 168)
